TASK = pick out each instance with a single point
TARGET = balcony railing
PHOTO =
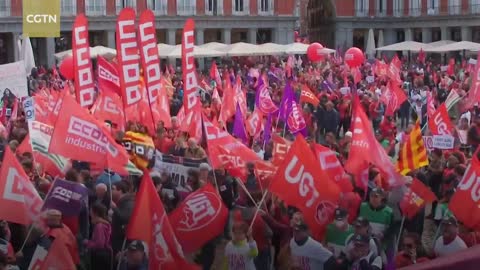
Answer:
(438, 11)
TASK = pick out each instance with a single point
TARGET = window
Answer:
(475, 5)
(265, 7)
(186, 7)
(68, 7)
(159, 7)
(362, 8)
(121, 4)
(454, 7)
(415, 7)
(95, 7)
(213, 7)
(240, 7)
(381, 7)
(397, 8)
(432, 6)
(4, 8)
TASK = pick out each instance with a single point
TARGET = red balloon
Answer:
(354, 57)
(314, 52)
(66, 68)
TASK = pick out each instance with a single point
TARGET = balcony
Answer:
(95, 7)
(419, 12)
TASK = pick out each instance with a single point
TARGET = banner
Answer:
(107, 76)
(443, 142)
(177, 167)
(82, 63)
(188, 65)
(29, 109)
(128, 58)
(14, 80)
(66, 197)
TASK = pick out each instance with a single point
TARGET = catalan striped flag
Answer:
(413, 154)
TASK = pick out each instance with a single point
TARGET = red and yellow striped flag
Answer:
(413, 154)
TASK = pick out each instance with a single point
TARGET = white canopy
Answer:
(440, 43)
(272, 49)
(243, 49)
(94, 52)
(412, 46)
(301, 48)
(197, 52)
(457, 46)
(165, 49)
(215, 46)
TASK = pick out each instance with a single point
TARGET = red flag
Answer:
(280, 149)
(363, 141)
(451, 67)
(228, 103)
(108, 76)
(298, 182)
(474, 92)
(150, 62)
(163, 107)
(215, 74)
(254, 122)
(127, 57)
(394, 97)
(394, 69)
(330, 164)
(189, 76)
(465, 201)
(149, 223)
(430, 105)
(415, 198)
(199, 218)
(357, 76)
(218, 137)
(54, 257)
(440, 123)
(108, 107)
(381, 69)
(307, 96)
(20, 202)
(240, 96)
(79, 136)
(421, 56)
(82, 64)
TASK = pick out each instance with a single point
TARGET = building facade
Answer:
(228, 21)
(345, 23)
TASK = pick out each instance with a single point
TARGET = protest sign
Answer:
(177, 168)
(29, 109)
(472, 61)
(370, 79)
(66, 197)
(443, 142)
(14, 80)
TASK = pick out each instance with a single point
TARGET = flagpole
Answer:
(26, 239)
(246, 191)
(400, 234)
(258, 209)
(121, 251)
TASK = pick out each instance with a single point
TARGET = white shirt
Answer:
(310, 256)
(441, 249)
(260, 154)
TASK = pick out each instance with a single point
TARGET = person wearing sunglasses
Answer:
(412, 251)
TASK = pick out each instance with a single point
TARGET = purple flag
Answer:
(286, 103)
(268, 129)
(260, 85)
(239, 126)
(66, 197)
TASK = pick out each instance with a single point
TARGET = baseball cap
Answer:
(204, 166)
(136, 245)
(340, 213)
(450, 221)
(378, 191)
(361, 239)
(361, 222)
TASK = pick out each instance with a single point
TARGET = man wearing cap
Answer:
(62, 234)
(449, 242)
(361, 255)
(361, 227)
(338, 232)
(135, 258)
(377, 213)
(308, 253)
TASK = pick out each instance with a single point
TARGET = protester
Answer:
(412, 251)
(135, 257)
(99, 246)
(241, 250)
(449, 242)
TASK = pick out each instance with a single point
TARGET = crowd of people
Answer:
(262, 232)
